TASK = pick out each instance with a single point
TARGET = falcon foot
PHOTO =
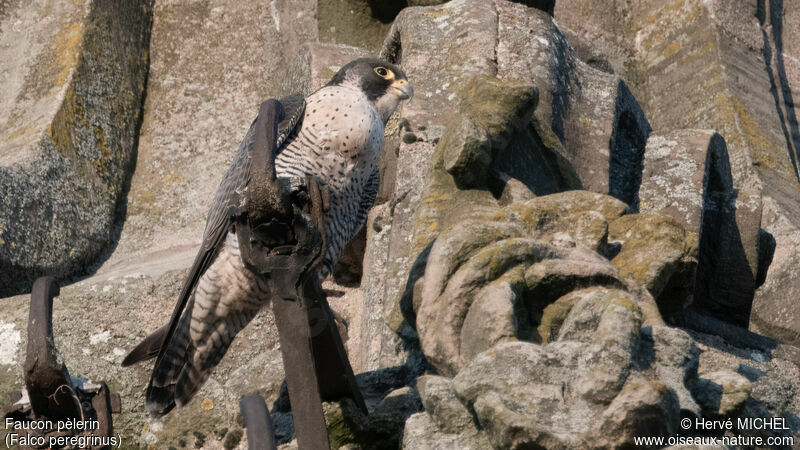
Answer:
(280, 236)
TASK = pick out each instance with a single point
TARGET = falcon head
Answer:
(383, 83)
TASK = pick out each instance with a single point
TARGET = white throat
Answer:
(385, 105)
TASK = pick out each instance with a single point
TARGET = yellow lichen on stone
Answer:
(659, 387)
(500, 257)
(633, 309)
(67, 50)
(25, 130)
(547, 135)
(436, 14)
(644, 234)
(737, 126)
(71, 114)
(437, 196)
(144, 202)
(715, 80)
(172, 178)
(147, 197)
(392, 127)
(100, 164)
(514, 276)
(435, 200)
(671, 49)
(207, 404)
(672, 8)
(553, 316)
(709, 47)
(691, 244)
(326, 74)
(761, 145)
(500, 216)
(674, 15)
(653, 40)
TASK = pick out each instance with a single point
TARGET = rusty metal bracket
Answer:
(260, 435)
(334, 372)
(51, 395)
(46, 378)
(301, 377)
(286, 250)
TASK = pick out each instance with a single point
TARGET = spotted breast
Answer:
(339, 143)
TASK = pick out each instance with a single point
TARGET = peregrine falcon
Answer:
(334, 136)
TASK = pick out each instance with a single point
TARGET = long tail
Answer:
(187, 362)
(226, 298)
(160, 396)
(148, 348)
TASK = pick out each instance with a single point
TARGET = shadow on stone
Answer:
(766, 250)
(360, 23)
(389, 398)
(527, 159)
(627, 156)
(386, 11)
(725, 283)
(784, 106)
(415, 274)
(121, 209)
(348, 269)
(694, 319)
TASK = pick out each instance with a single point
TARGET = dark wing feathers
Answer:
(233, 185)
(293, 107)
(148, 348)
(229, 194)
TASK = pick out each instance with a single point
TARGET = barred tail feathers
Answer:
(226, 299)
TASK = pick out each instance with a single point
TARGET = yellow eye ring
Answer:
(384, 73)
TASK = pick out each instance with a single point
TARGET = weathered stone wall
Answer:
(73, 98)
(211, 63)
(730, 66)
(564, 206)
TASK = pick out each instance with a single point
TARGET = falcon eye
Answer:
(384, 72)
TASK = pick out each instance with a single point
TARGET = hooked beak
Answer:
(402, 89)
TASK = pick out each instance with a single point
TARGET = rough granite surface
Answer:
(582, 210)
